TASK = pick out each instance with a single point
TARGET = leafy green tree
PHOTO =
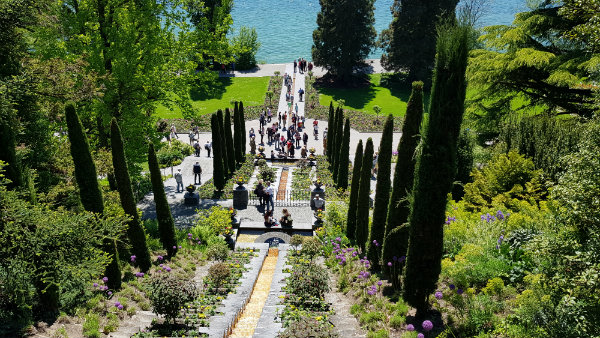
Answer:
(344, 158)
(344, 36)
(529, 67)
(399, 206)
(7, 147)
(229, 141)
(353, 204)
(382, 193)
(218, 170)
(361, 232)
(166, 225)
(409, 42)
(245, 45)
(436, 166)
(586, 14)
(135, 232)
(90, 193)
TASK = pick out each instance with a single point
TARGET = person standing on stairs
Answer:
(197, 173)
(269, 192)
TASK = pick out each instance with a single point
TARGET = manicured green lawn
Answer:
(391, 101)
(218, 95)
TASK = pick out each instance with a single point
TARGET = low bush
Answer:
(219, 274)
(91, 326)
(218, 251)
(309, 327)
(169, 293)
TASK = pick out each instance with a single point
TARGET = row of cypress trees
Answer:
(338, 146)
(429, 174)
(228, 147)
(92, 201)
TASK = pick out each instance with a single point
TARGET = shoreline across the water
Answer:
(268, 69)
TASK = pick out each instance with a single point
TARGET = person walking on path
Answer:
(179, 180)
(197, 148)
(298, 138)
(259, 191)
(174, 132)
(269, 192)
(197, 173)
(300, 93)
(305, 139)
(269, 115)
(262, 135)
(295, 65)
(253, 145)
(303, 152)
(261, 119)
(208, 147)
(316, 130)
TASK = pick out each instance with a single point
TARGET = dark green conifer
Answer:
(166, 225)
(135, 232)
(223, 145)
(89, 191)
(464, 165)
(364, 192)
(229, 141)
(243, 128)
(329, 131)
(218, 174)
(352, 206)
(339, 134)
(333, 137)
(436, 167)
(344, 158)
(382, 193)
(237, 135)
(399, 206)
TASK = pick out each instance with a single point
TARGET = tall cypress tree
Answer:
(223, 145)
(135, 232)
(338, 143)
(464, 165)
(218, 175)
(229, 141)
(399, 206)
(330, 130)
(344, 158)
(382, 193)
(332, 138)
(166, 225)
(409, 42)
(352, 206)
(243, 128)
(436, 167)
(344, 36)
(237, 131)
(364, 191)
(90, 193)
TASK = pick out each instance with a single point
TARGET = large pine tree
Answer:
(343, 159)
(329, 131)
(166, 225)
(218, 174)
(409, 42)
(399, 206)
(382, 193)
(237, 137)
(352, 206)
(135, 232)
(229, 141)
(361, 232)
(436, 167)
(90, 193)
(344, 36)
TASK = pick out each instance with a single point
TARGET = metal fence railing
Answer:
(291, 198)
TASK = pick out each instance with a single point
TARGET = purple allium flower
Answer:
(389, 264)
(160, 258)
(452, 286)
(497, 247)
(410, 327)
(338, 239)
(180, 247)
(168, 269)
(120, 307)
(117, 304)
(109, 293)
(105, 279)
(379, 283)
(427, 325)
(161, 265)
(174, 246)
(199, 242)
(374, 241)
(420, 335)
(189, 234)
(133, 257)
(459, 291)
(95, 285)
(395, 259)
(439, 295)
(500, 215)
(402, 259)
(483, 217)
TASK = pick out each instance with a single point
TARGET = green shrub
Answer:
(382, 333)
(397, 321)
(473, 266)
(172, 155)
(91, 326)
(113, 323)
(506, 178)
(169, 293)
(217, 251)
(309, 327)
(307, 285)
(219, 274)
(311, 247)
(401, 308)
(356, 309)
(296, 240)
(371, 319)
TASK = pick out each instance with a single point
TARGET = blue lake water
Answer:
(285, 27)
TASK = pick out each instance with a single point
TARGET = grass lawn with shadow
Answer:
(391, 100)
(220, 93)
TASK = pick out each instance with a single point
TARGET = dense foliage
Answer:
(353, 202)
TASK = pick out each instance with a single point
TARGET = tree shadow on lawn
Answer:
(210, 88)
(357, 98)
